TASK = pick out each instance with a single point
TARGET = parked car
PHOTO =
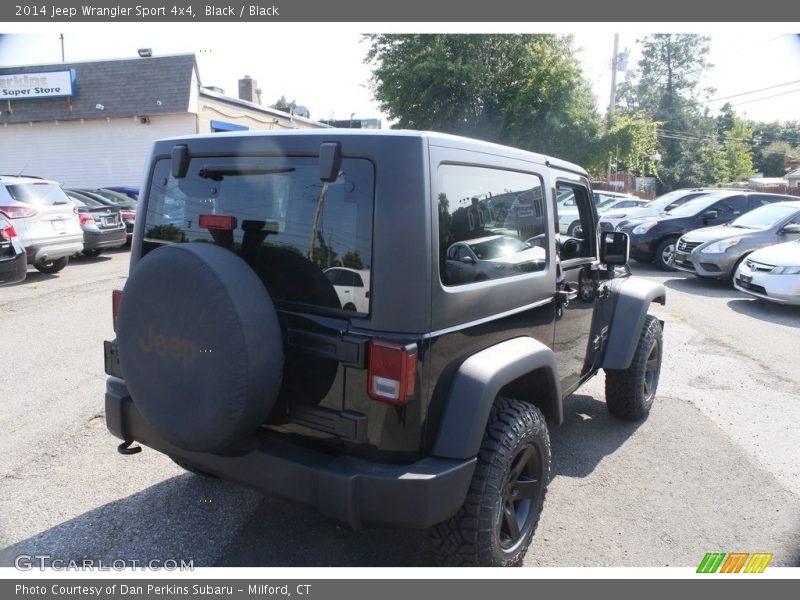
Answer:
(102, 225)
(717, 251)
(125, 204)
(611, 219)
(654, 238)
(129, 190)
(44, 219)
(490, 258)
(13, 261)
(352, 287)
(568, 221)
(772, 273)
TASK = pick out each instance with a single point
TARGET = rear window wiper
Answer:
(218, 172)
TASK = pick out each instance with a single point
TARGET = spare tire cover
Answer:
(199, 345)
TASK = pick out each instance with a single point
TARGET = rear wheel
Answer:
(630, 392)
(52, 266)
(495, 525)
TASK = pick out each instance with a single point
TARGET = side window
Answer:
(499, 216)
(574, 220)
(762, 200)
(733, 207)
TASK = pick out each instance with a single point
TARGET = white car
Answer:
(45, 220)
(568, 222)
(352, 287)
(772, 273)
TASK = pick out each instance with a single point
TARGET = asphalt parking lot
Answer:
(716, 466)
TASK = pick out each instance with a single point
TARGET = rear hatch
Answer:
(43, 213)
(293, 230)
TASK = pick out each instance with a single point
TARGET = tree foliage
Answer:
(284, 105)
(522, 90)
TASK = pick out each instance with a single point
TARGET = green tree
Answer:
(522, 90)
(775, 158)
(738, 150)
(284, 105)
(633, 142)
(665, 90)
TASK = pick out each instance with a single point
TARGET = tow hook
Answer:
(126, 449)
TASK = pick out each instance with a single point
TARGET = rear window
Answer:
(40, 194)
(276, 214)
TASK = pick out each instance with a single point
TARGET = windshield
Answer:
(694, 206)
(678, 196)
(498, 248)
(764, 217)
(276, 214)
(114, 197)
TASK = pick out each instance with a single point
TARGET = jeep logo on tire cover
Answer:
(176, 348)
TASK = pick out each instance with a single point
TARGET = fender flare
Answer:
(633, 297)
(477, 383)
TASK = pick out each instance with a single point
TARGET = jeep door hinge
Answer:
(600, 338)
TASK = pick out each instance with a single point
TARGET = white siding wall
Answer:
(90, 154)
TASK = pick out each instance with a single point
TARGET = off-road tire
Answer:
(630, 392)
(481, 533)
(52, 266)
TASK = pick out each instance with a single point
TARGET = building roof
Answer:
(793, 174)
(133, 87)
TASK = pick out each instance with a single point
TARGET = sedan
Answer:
(717, 251)
(126, 204)
(13, 261)
(102, 225)
(772, 273)
(491, 257)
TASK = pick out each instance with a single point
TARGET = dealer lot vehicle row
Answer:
(712, 467)
(51, 226)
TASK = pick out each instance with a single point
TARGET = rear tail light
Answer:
(116, 298)
(18, 212)
(8, 233)
(128, 215)
(391, 372)
(224, 222)
(85, 219)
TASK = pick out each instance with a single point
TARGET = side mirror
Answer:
(614, 248)
(468, 260)
(710, 215)
(791, 228)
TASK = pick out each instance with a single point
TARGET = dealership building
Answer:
(90, 124)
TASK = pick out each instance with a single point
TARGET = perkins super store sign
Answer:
(18, 86)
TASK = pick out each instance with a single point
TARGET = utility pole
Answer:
(613, 100)
(614, 60)
(61, 37)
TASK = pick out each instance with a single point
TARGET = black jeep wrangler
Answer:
(377, 324)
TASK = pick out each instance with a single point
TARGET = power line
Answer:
(766, 97)
(772, 87)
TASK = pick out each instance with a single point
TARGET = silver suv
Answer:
(44, 218)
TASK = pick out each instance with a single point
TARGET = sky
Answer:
(321, 67)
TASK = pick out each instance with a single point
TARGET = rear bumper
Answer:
(104, 239)
(13, 270)
(351, 490)
(52, 251)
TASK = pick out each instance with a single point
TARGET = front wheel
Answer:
(495, 526)
(665, 254)
(630, 392)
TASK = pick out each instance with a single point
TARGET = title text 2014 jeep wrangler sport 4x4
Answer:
(376, 324)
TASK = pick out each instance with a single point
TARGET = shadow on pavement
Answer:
(698, 286)
(588, 435)
(780, 314)
(218, 523)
